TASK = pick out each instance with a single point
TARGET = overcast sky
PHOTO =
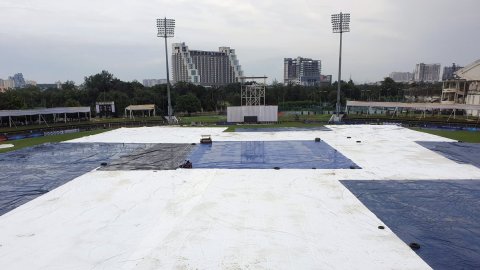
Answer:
(50, 40)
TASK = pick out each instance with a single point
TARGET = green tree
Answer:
(68, 85)
(10, 100)
(72, 103)
(187, 103)
(389, 89)
(101, 82)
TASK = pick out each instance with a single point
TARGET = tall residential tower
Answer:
(208, 68)
(427, 72)
(448, 72)
(302, 71)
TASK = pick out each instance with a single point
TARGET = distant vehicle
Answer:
(206, 139)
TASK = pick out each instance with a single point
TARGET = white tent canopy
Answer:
(419, 106)
(146, 107)
(414, 106)
(59, 110)
(44, 111)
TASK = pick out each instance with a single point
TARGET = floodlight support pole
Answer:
(168, 74)
(339, 82)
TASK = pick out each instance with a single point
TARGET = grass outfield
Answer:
(313, 117)
(461, 135)
(202, 119)
(18, 144)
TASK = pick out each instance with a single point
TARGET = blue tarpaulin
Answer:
(466, 153)
(443, 217)
(269, 154)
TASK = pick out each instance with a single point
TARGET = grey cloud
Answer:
(52, 40)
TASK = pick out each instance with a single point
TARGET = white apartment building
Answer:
(6, 84)
(427, 72)
(401, 76)
(208, 68)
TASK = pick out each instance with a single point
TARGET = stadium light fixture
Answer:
(166, 29)
(340, 24)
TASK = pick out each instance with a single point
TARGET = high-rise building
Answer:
(153, 82)
(302, 71)
(208, 68)
(18, 80)
(448, 72)
(427, 72)
(2, 88)
(401, 76)
(6, 84)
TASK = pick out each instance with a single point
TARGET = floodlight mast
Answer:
(340, 24)
(166, 29)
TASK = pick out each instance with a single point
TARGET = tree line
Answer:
(187, 97)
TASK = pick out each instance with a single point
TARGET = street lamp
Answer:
(166, 29)
(340, 24)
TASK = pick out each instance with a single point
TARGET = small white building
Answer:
(253, 108)
(252, 114)
(105, 108)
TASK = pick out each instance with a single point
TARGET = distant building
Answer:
(31, 82)
(15, 81)
(45, 86)
(18, 80)
(6, 84)
(208, 68)
(401, 76)
(325, 80)
(302, 71)
(448, 72)
(427, 72)
(464, 88)
(153, 82)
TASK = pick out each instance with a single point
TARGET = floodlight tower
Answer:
(166, 29)
(341, 24)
